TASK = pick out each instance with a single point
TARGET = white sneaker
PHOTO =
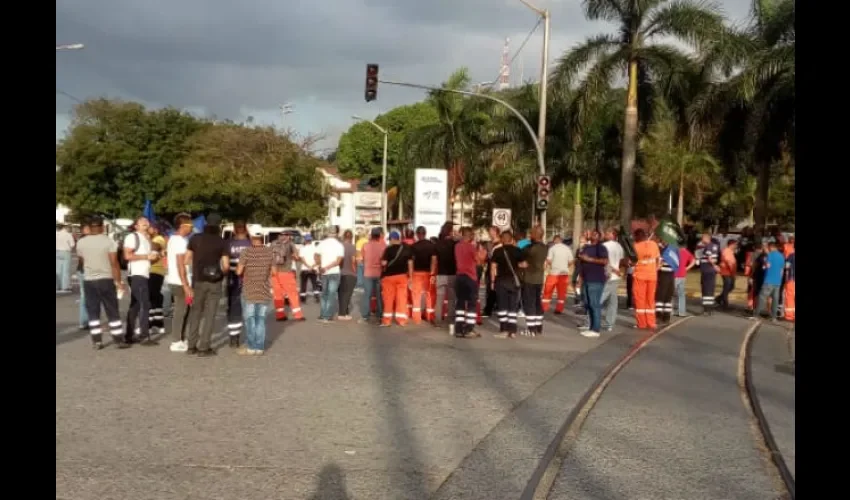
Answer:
(179, 346)
(589, 333)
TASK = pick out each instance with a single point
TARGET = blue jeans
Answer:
(359, 276)
(371, 286)
(771, 291)
(592, 293)
(681, 299)
(254, 318)
(63, 269)
(330, 293)
(84, 315)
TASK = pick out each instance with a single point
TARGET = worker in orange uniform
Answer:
(396, 278)
(424, 275)
(560, 261)
(790, 283)
(283, 277)
(645, 280)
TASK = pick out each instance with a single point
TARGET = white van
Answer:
(270, 234)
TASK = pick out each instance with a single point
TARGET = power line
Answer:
(521, 46)
(69, 96)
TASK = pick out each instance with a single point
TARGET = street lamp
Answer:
(383, 171)
(71, 46)
(544, 76)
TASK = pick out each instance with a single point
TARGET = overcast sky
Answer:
(247, 57)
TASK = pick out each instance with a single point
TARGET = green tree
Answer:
(754, 112)
(117, 154)
(603, 57)
(254, 173)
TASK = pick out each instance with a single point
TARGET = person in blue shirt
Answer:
(774, 267)
(522, 240)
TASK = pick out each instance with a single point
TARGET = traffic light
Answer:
(371, 82)
(544, 187)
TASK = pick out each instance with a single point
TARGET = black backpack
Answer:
(122, 262)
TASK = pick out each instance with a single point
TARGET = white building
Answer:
(61, 212)
(349, 208)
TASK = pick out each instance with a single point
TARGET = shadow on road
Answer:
(64, 338)
(391, 379)
(331, 484)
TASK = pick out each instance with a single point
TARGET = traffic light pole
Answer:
(540, 162)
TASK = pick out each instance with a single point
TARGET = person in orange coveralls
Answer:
(283, 277)
(645, 280)
(396, 278)
(790, 283)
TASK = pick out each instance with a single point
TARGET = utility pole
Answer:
(544, 77)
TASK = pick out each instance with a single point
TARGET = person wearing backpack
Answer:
(139, 254)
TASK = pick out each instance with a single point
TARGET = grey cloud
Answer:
(224, 56)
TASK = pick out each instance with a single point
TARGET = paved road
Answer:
(335, 412)
(672, 425)
(379, 414)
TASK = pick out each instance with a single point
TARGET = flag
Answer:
(148, 211)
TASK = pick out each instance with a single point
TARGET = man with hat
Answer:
(210, 258)
(397, 276)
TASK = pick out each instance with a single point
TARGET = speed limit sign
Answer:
(502, 218)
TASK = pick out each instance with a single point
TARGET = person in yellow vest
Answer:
(358, 247)
(157, 279)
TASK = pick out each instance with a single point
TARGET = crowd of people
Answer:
(404, 278)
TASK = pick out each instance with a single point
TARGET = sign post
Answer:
(502, 218)
(429, 201)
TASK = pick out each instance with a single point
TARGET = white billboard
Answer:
(430, 198)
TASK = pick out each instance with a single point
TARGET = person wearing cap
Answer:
(372, 253)
(329, 256)
(256, 270)
(210, 258)
(308, 270)
(101, 280)
(424, 275)
(237, 243)
(283, 277)
(397, 263)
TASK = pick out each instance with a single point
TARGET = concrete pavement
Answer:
(672, 425)
(349, 411)
(373, 413)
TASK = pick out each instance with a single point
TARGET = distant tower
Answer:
(505, 70)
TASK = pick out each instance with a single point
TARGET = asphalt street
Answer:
(672, 425)
(339, 411)
(349, 411)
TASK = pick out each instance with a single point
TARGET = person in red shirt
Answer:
(686, 262)
(466, 284)
(728, 269)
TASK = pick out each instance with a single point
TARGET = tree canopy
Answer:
(118, 154)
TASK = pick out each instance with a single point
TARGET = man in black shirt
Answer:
(446, 272)
(210, 258)
(504, 279)
(397, 263)
(424, 275)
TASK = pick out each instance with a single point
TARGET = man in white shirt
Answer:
(64, 244)
(329, 256)
(139, 255)
(614, 269)
(308, 269)
(179, 281)
(560, 261)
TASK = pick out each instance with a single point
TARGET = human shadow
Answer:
(331, 484)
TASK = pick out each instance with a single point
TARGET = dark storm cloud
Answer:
(225, 56)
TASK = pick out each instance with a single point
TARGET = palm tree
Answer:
(754, 111)
(454, 142)
(670, 163)
(632, 51)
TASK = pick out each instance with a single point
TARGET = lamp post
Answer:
(383, 171)
(544, 76)
(70, 46)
